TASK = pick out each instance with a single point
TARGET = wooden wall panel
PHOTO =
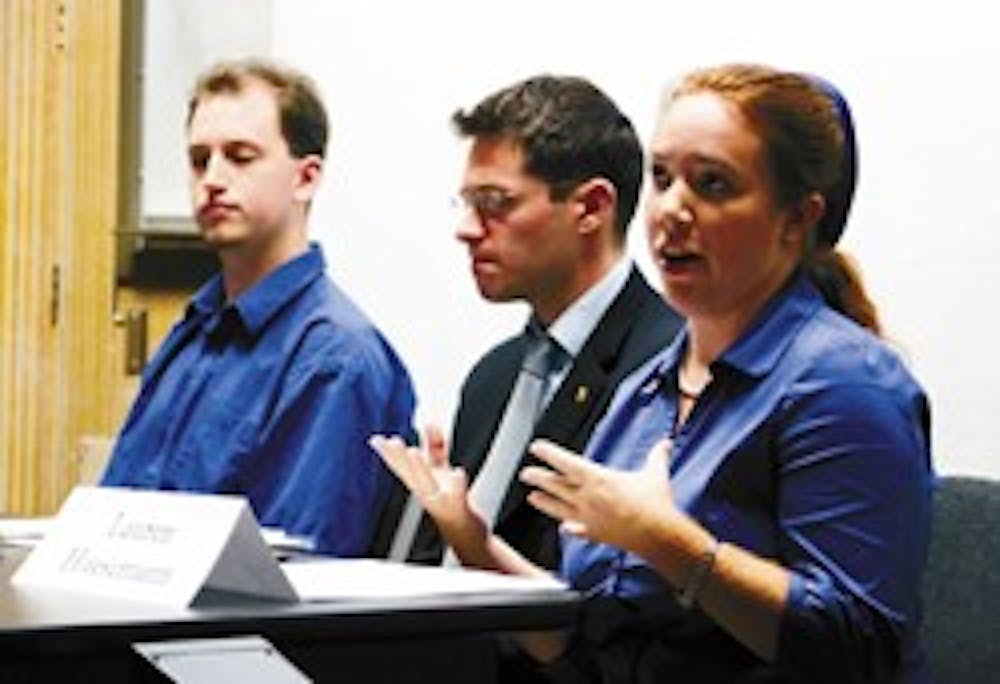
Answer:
(88, 341)
(6, 272)
(58, 192)
(63, 386)
(34, 206)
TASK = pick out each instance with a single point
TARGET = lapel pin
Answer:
(582, 392)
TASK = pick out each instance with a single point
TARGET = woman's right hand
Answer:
(442, 489)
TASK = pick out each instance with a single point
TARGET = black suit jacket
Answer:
(636, 325)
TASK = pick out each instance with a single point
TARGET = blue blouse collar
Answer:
(758, 349)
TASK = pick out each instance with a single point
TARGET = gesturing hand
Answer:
(609, 506)
(441, 488)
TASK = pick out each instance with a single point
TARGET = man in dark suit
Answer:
(550, 185)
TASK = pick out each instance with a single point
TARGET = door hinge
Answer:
(54, 295)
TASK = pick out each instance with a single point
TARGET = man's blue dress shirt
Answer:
(810, 446)
(273, 396)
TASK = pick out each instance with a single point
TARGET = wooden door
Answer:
(62, 364)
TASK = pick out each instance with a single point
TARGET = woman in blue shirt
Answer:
(796, 511)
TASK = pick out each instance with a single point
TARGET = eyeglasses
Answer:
(488, 201)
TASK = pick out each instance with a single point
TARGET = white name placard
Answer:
(162, 547)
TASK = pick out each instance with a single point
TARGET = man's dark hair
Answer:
(569, 132)
(303, 118)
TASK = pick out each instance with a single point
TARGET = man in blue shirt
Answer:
(273, 380)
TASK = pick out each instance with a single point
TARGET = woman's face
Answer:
(721, 243)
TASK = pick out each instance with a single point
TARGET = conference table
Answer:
(49, 635)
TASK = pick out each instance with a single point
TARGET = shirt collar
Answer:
(759, 348)
(574, 325)
(257, 305)
(208, 299)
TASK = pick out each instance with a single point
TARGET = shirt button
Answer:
(651, 387)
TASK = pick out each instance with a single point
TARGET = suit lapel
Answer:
(588, 384)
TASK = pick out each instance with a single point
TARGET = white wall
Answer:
(925, 87)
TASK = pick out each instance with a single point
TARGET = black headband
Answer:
(838, 199)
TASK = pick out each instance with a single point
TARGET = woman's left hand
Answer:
(609, 506)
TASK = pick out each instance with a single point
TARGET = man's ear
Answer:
(802, 219)
(595, 201)
(309, 172)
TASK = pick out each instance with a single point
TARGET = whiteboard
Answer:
(181, 38)
(924, 83)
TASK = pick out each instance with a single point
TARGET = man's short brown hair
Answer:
(301, 114)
